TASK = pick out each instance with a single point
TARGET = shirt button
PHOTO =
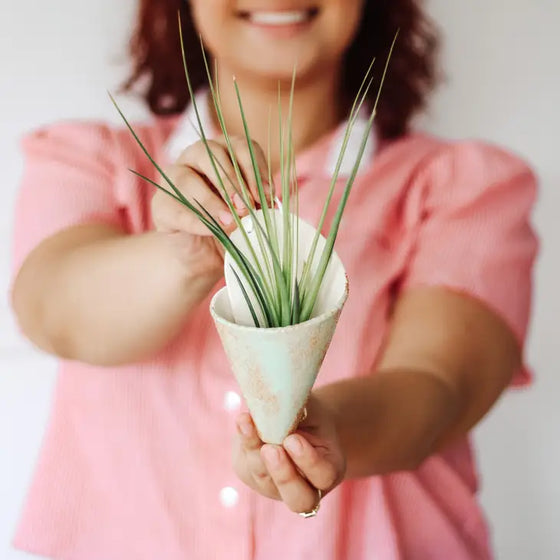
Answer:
(232, 401)
(229, 497)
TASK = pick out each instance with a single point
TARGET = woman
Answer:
(439, 251)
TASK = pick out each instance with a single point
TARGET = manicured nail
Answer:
(246, 429)
(294, 446)
(237, 202)
(272, 456)
(225, 217)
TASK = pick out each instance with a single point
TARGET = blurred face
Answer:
(265, 38)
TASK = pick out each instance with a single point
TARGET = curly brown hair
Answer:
(156, 57)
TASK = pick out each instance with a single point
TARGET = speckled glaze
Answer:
(276, 368)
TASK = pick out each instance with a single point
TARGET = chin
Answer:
(279, 67)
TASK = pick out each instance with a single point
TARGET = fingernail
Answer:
(246, 429)
(294, 446)
(272, 456)
(225, 217)
(237, 202)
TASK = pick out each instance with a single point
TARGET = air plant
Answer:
(276, 290)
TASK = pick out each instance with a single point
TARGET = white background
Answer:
(501, 58)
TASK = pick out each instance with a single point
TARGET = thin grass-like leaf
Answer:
(157, 185)
(248, 271)
(153, 162)
(290, 273)
(267, 249)
(353, 115)
(284, 179)
(247, 298)
(296, 305)
(209, 221)
(264, 238)
(294, 233)
(267, 278)
(328, 249)
(211, 155)
(258, 178)
(283, 297)
(265, 210)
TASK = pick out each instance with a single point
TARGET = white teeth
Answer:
(279, 18)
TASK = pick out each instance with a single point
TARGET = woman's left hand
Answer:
(309, 460)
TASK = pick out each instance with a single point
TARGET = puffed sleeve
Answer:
(68, 179)
(475, 234)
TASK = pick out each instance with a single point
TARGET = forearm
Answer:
(390, 421)
(111, 301)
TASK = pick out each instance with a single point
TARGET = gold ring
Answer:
(313, 512)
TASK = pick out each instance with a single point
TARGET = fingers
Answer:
(220, 172)
(170, 215)
(248, 462)
(293, 472)
(294, 490)
(243, 157)
(211, 182)
(196, 157)
(250, 439)
(320, 469)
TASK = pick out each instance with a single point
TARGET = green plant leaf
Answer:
(283, 298)
(247, 298)
(328, 249)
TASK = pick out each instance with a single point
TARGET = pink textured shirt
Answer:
(136, 460)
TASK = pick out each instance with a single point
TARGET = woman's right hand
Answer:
(194, 175)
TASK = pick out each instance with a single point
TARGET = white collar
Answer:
(186, 134)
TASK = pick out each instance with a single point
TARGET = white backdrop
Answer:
(501, 57)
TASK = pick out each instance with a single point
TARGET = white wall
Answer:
(57, 60)
(504, 84)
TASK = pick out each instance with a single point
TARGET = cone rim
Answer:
(314, 320)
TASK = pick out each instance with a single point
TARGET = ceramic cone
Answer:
(276, 367)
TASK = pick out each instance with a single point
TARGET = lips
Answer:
(279, 18)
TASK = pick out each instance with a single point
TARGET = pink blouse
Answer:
(136, 460)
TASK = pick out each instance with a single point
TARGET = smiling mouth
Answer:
(280, 18)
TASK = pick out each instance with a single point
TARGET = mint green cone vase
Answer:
(276, 368)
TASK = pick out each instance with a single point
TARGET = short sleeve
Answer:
(475, 234)
(68, 179)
